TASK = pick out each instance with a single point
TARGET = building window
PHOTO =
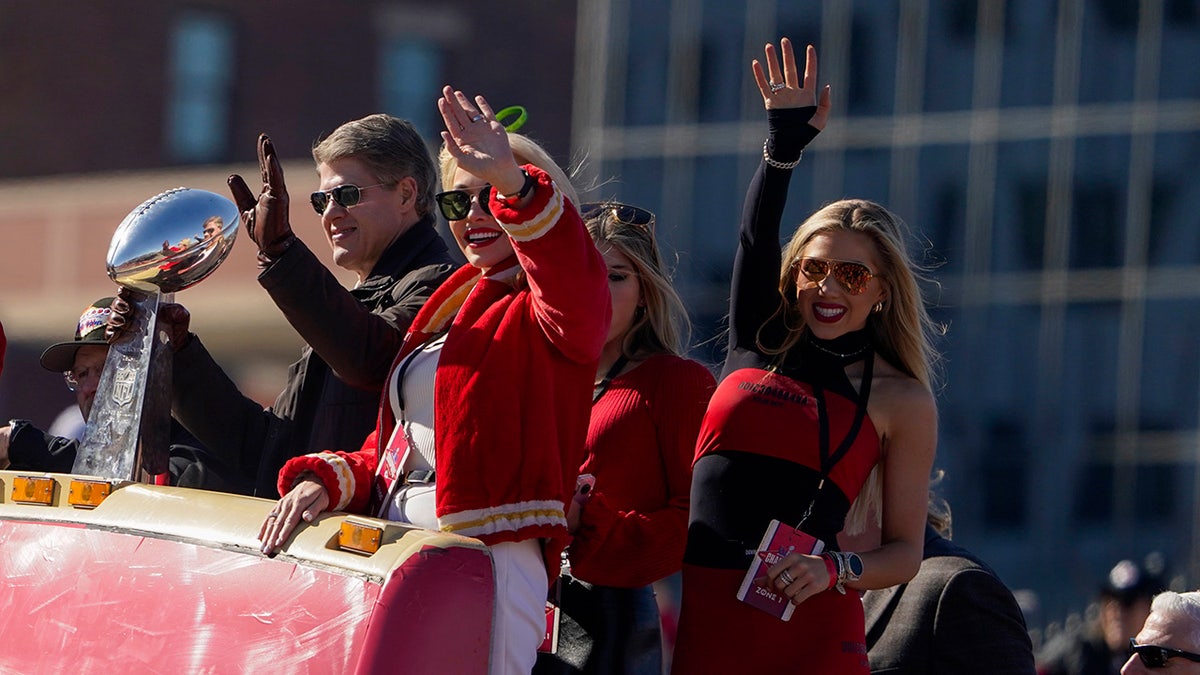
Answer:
(201, 87)
(409, 69)
(943, 225)
(1027, 230)
(1004, 465)
(1096, 225)
(1182, 13)
(644, 66)
(1156, 495)
(1093, 504)
(1168, 396)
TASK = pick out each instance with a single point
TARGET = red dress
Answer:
(759, 457)
(755, 461)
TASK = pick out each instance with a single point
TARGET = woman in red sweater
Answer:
(629, 531)
(502, 356)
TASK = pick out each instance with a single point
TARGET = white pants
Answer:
(519, 620)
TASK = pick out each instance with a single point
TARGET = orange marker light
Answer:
(360, 537)
(87, 494)
(33, 490)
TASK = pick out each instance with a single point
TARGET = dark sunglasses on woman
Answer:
(456, 204)
(853, 276)
(622, 213)
(1153, 656)
(344, 195)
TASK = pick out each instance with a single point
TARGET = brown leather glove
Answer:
(265, 218)
(172, 318)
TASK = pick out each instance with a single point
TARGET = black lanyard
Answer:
(828, 461)
(608, 377)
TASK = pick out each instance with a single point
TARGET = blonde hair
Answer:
(663, 326)
(525, 151)
(937, 512)
(901, 333)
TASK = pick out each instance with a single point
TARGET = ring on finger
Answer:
(777, 86)
(476, 117)
(272, 515)
(786, 578)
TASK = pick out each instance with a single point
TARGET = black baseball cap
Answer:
(60, 357)
(1130, 580)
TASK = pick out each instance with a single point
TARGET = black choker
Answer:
(846, 348)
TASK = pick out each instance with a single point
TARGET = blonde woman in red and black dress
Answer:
(630, 530)
(824, 402)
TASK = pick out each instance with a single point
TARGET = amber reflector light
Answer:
(360, 537)
(87, 494)
(33, 490)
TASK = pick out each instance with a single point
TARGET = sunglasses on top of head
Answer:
(344, 195)
(456, 204)
(853, 276)
(625, 214)
(1153, 656)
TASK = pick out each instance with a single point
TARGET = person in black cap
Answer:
(1102, 647)
(23, 447)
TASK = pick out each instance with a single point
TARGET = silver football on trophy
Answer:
(173, 240)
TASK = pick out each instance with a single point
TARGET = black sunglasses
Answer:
(1153, 656)
(456, 204)
(622, 213)
(345, 195)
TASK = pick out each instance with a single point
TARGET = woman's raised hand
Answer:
(784, 87)
(478, 141)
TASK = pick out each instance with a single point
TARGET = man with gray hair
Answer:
(1170, 639)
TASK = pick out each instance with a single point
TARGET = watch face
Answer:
(855, 564)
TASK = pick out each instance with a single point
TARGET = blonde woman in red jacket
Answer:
(503, 357)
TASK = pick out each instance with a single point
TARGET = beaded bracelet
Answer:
(776, 164)
(831, 567)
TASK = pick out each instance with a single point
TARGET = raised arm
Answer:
(358, 344)
(795, 114)
(566, 274)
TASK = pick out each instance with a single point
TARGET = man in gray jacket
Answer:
(375, 198)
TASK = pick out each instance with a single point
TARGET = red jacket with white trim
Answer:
(513, 389)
